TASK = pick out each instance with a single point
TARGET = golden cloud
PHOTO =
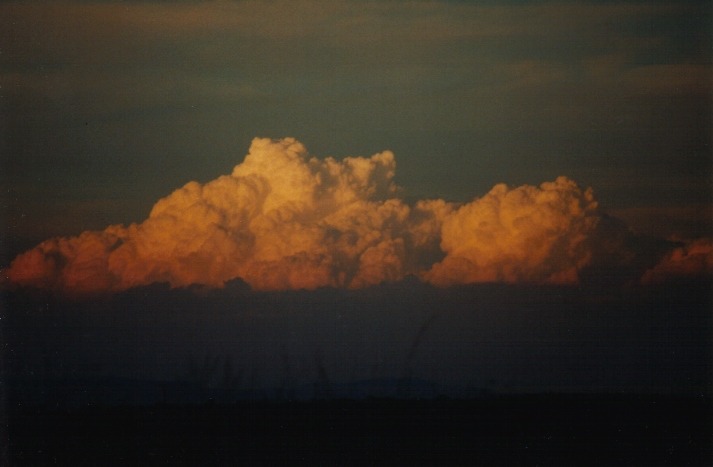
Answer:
(284, 219)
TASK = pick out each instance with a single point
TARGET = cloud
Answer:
(284, 219)
(531, 234)
(693, 259)
(281, 220)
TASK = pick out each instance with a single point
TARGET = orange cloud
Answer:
(284, 219)
(691, 260)
(526, 234)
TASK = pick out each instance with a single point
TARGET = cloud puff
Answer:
(284, 219)
(525, 234)
(691, 260)
(281, 220)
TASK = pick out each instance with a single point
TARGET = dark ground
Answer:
(493, 430)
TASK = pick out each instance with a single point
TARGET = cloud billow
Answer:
(287, 220)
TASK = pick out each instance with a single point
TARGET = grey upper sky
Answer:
(107, 106)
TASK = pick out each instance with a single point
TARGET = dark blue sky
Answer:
(108, 106)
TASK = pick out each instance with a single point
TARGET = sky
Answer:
(109, 106)
(531, 171)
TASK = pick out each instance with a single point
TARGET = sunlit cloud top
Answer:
(284, 219)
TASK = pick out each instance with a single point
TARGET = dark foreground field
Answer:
(497, 430)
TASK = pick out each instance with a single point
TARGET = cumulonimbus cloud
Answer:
(286, 220)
